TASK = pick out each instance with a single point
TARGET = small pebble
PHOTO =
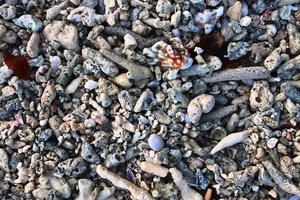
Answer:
(156, 142)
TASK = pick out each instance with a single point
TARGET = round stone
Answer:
(156, 142)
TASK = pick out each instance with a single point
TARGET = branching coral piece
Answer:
(187, 193)
(136, 192)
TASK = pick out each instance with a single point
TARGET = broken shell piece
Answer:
(203, 103)
(230, 140)
(154, 168)
(122, 80)
(173, 55)
(187, 193)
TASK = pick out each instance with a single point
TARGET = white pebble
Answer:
(129, 42)
(91, 85)
(55, 62)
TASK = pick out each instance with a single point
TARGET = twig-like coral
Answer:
(121, 32)
(154, 168)
(238, 74)
(230, 140)
(136, 192)
(283, 182)
(135, 71)
(187, 193)
(218, 114)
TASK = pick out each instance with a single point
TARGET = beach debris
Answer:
(154, 168)
(186, 191)
(136, 192)
(230, 140)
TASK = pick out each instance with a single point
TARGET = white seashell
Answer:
(245, 21)
(272, 143)
(91, 85)
(230, 140)
(72, 87)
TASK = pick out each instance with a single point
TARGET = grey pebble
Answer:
(4, 114)
(13, 105)
(197, 70)
(88, 154)
(66, 72)
(126, 100)
(145, 102)
(72, 167)
(291, 92)
(30, 22)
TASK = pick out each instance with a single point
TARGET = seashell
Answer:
(218, 133)
(173, 55)
(271, 143)
(230, 140)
